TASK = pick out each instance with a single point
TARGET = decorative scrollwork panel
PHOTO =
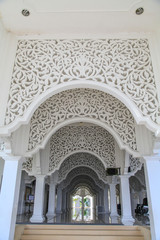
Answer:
(123, 64)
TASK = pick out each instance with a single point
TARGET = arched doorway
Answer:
(83, 202)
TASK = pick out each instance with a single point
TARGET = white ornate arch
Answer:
(93, 188)
(81, 160)
(121, 67)
(71, 139)
(85, 171)
(76, 188)
(83, 104)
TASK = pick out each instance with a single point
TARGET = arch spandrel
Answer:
(122, 67)
(83, 104)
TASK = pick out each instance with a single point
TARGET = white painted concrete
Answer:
(152, 175)
(59, 199)
(21, 204)
(106, 205)
(126, 215)
(51, 204)
(9, 196)
(113, 201)
(39, 200)
(1, 171)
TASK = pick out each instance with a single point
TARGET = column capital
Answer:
(9, 157)
(124, 176)
(112, 184)
(106, 186)
(54, 177)
(40, 176)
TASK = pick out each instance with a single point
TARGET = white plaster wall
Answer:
(8, 44)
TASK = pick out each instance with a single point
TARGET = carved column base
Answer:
(37, 219)
(50, 217)
(128, 221)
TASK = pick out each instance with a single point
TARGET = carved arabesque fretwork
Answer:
(85, 171)
(123, 64)
(27, 165)
(70, 139)
(81, 103)
(135, 163)
(82, 159)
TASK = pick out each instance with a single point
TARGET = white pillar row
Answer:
(52, 197)
(9, 196)
(126, 213)
(106, 205)
(113, 201)
(39, 200)
(152, 176)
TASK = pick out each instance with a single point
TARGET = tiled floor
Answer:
(102, 219)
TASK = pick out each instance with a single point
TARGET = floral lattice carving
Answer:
(124, 64)
(27, 166)
(82, 103)
(70, 139)
(81, 159)
(83, 171)
(135, 163)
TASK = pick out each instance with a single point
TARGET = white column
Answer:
(140, 195)
(64, 201)
(113, 201)
(133, 202)
(152, 176)
(59, 200)
(106, 205)
(9, 196)
(21, 205)
(39, 199)
(51, 202)
(126, 215)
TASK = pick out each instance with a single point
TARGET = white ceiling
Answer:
(79, 17)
